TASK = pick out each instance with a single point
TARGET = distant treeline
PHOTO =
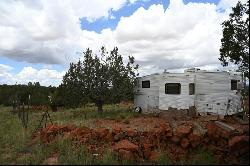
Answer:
(38, 94)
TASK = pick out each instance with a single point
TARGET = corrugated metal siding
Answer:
(179, 101)
(212, 92)
(207, 83)
(214, 102)
(147, 98)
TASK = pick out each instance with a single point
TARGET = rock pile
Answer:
(132, 144)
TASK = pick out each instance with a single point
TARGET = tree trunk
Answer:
(99, 106)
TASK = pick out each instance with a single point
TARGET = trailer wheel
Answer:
(138, 109)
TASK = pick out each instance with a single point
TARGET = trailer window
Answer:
(233, 84)
(145, 84)
(191, 89)
(173, 88)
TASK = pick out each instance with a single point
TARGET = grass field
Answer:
(14, 139)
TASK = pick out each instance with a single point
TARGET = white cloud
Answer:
(45, 77)
(49, 32)
(182, 36)
(46, 31)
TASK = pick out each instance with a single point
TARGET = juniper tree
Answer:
(101, 78)
(235, 41)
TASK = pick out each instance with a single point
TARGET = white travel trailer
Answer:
(209, 92)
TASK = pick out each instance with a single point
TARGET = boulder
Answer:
(239, 143)
(147, 148)
(184, 143)
(158, 131)
(212, 131)
(126, 145)
(102, 132)
(194, 139)
(109, 137)
(183, 130)
(165, 126)
(116, 130)
(130, 132)
(175, 139)
(169, 134)
(147, 145)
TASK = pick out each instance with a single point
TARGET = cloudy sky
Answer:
(39, 38)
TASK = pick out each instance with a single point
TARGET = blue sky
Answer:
(41, 35)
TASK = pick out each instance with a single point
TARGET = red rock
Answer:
(109, 137)
(214, 132)
(147, 145)
(126, 145)
(184, 143)
(52, 128)
(169, 134)
(102, 132)
(165, 126)
(68, 128)
(154, 156)
(158, 131)
(81, 131)
(175, 139)
(130, 132)
(147, 148)
(116, 130)
(211, 128)
(237, 143)
(194, 139)
(183, 130)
